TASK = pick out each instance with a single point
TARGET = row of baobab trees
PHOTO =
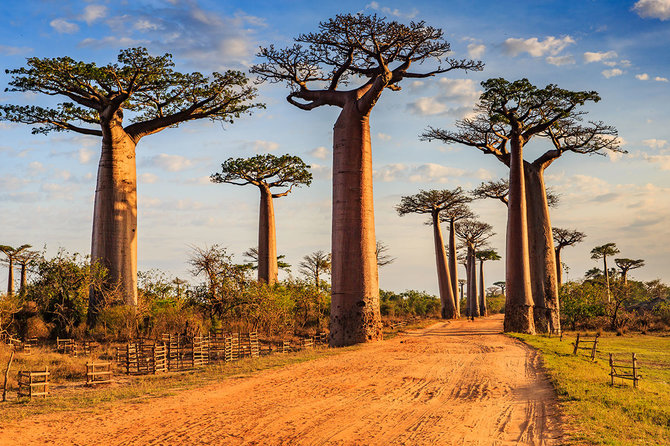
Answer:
(347, 63)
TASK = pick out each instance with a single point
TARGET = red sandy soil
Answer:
(458, 383)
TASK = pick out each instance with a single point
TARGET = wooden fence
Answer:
(66, 346)
(591, 345)
(98, 373)
(620, 370)
(34, 383)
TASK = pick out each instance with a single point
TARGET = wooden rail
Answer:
(592, 348)
(98, 373)
(619, 370)
(34, 383)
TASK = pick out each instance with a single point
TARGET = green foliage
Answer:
(433, 201)
(61, 289)
(146, 85)
(265, 169)
(409, 303)
(581, 302)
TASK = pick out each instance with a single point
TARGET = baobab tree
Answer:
(12, 255)
(157, 97)
(501, 285)
(563, 238)
(483, 256)
(434, 202)
(626, 265)
(509, 115)
(474, 235)
(461, 284)
(266, 172)
(252, 255)
(499, 190)
(601, 252)
(380, 54)
(25, 259)
(315, 265)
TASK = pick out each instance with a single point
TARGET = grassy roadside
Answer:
(597, 413)
(144, 388)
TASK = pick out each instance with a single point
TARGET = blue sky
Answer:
(618, 48)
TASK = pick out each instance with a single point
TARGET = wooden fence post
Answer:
(635, 377)
(574, 352)
(4, 387)
(593, 352)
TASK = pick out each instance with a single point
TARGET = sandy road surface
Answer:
(455, 384)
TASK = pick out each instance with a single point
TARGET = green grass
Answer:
(597, 413)
(144, 388)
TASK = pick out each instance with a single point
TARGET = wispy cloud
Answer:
(320, 152)
(561, 60)
(612, 73)
(93, 13)
(171, 163)
(642, 77)
(394, 12)
(655, 143)
(456, 97)
(14, 50)
(62, 26)
(536, 47)
(590, 57)
(661, 79)
(476, 50)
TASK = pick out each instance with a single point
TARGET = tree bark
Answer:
(483, 311)
(114, 239)
(354, 313)
(267, 239)
(607, 278)
(544, 283)
(472, 283)
(443, 276)
(24, 279)
(10, 277)
(519, 300)
(453, 266)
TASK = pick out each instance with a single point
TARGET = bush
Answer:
(409, 303)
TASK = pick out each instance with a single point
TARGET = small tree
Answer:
(499, 190)
(601, 252)
(483, 256)
(563, 238)
(13, 254)
(251, 255)
(266, 172)
(156, 97)
(626, 265)
(501, 285)
(315, 265)
(381, 254)
(353, 47)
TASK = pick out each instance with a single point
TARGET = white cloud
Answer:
(661, 79)
(390, 172)
(455, 98)
(427, 106)
(14, 50)
(395, 12)
(476, 50)
(560, 60)
(85, 155)
(320, 152)
(625, 63)
(111, 41)
(642, 77)
(434, 173)
(536, 48)
(92, 13)
(171, 163)
(590, 57)
(265, 146)
(655, 9)
(612, 73)
(383, 136)
(145, 25)
(663, 161)
(655, 143)
(148, 178)
(62, 26)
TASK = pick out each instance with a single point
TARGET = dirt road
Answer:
(451, 384)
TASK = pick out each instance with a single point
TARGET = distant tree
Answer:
(563, 238)
(381, 250)
(251, 255)
(499, 190)
(355, 47)
(483, 256)
(178, 283)
(461, 284)
(434, 203)
(601, 252)
(594, 273)
(156, 97)
(12, 255)
(501, 285)
(626, 265)
(473, 234)
(315, 265)
(26, 259)
(509, 115)
(266, 172)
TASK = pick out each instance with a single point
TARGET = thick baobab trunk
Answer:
(519, 300)
(354, 314)
(453, 266)
(607, 278)
(10, 277)
(24, 279)
(267, 239)
(114, 240)
(472, 284)
(443, 276)
(544, 283)
(559, 270)
(483, 311)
